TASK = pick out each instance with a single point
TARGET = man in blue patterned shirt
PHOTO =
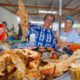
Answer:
(44, 36)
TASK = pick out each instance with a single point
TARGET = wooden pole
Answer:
(41, 7)
(60, 15)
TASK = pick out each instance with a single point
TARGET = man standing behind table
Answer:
(43, 35)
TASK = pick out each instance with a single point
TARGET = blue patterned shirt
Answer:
(43, 37)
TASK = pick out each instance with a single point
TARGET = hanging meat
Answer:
(23, 13)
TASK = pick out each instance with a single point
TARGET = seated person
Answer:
(44, 35)
(3, 34)
(68, 35)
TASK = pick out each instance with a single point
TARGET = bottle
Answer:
(32, 40)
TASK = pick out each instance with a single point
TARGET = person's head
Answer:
(69, 21)
(5, 23)
(48, 20)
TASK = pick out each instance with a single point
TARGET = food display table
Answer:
(19, 51)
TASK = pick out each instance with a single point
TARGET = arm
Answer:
(62, 44)
(74, 37)
(54, 43)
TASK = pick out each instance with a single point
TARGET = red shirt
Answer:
(2, 36)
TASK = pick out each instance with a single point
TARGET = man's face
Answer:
(68, 24)
(48, 21)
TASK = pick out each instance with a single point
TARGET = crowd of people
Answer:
(43, 34)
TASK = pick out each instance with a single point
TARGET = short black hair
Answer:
(4, 22)
(50, 15)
